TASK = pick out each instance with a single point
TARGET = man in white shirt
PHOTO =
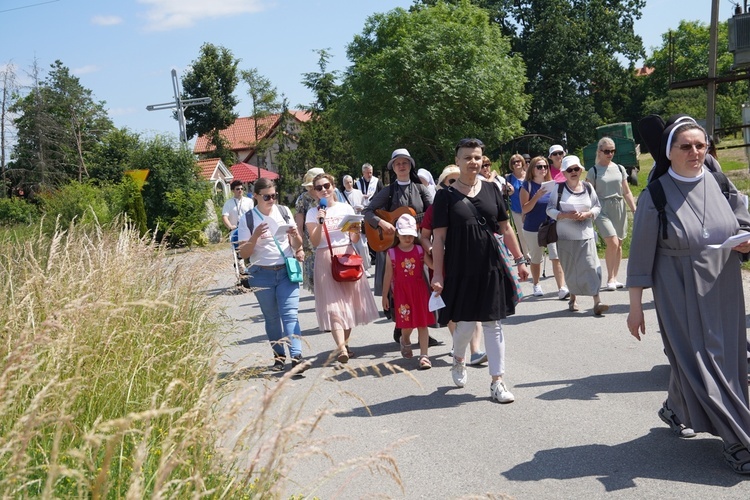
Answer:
(368, 184)
(236, 206)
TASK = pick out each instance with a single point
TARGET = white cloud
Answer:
(83, 70)
(106, 20)
(164, 15)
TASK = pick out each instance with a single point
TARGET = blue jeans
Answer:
(279, 300)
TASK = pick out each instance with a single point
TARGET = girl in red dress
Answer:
(405, 269)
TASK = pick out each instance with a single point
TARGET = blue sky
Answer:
(124, 50)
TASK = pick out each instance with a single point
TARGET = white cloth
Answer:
(266, 253)
(356, 199)
(236, 209)
(368, 190)
(334, 215)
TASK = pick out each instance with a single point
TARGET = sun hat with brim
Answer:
(307, 181)
(446, 172)
(554, 149)
(399, 153)
(570, 161)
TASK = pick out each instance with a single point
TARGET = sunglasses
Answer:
(557, 153)
(239, 189)
(573, 169)
(688, 147)
(515, 162)
(321, 187)
(486, 165)
(541, 167)
(268, 197)
(608, 151)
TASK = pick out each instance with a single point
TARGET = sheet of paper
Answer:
(435, 303)
(572, 207)
(549, 186)
(733, 241)
(282, 230)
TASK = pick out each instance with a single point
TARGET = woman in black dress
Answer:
(475, 287)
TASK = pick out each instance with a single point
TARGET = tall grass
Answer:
(108, 384)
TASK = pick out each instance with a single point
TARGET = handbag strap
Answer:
(273, 235)
(328, 239)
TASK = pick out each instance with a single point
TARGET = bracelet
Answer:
(520, 260)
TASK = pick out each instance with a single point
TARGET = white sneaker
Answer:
(458, 371)
(611, 286)
(367, 274)
(563, 293)
(500, 393)
(538, 290)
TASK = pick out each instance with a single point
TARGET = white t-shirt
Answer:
(266, 253)
(356, 199)
(334, 214)
(236, 209)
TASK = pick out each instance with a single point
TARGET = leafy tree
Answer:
(109, 158)
(690, 43)
(173, 172)
(322, 142)
(57, 122)
(571, 49)
(426, 78)
(265, 102)
(214, 75)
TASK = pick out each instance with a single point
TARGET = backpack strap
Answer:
(723, 183)
(560, 187)
(656, 190)
(594, 169)
(285, 214)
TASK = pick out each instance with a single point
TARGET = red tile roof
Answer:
(241, 134)
(207, 167)
(249, 173)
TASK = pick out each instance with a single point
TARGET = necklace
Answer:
(471, 186)
(704, 231)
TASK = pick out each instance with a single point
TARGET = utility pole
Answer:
(179, 105)
(711, 87)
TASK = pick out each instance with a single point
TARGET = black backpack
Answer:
(660, 199)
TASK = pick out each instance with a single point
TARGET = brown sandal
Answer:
(424, 362)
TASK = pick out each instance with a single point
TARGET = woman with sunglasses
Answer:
(577, 208)
(534, 200)
(515, 180)
(277, 296)
(339, 306)
(611, 184)
(555, 157)
(697, 290)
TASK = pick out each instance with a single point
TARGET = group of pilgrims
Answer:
(466, 241)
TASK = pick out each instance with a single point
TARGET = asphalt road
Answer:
(584, 423)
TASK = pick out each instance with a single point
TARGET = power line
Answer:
(29, 6)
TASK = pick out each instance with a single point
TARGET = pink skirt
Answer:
(341, 305)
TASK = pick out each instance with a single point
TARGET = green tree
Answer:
(56, 123)
(426, 78)
(172, 171)
(690, 43)
(214, 75)
(109, 158)
(265, 102)
(322, 141)
(572, 50)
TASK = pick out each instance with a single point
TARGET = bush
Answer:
(81, 202)
(186, 226)
(17, 211)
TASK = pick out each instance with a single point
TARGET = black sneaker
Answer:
(434, 342)
(278, 364)
(298, 361)
(397, 335)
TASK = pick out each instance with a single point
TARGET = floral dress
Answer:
(410, 293)
(304, 202)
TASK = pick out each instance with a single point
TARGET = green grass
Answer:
(108, 381)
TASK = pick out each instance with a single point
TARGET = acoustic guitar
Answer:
(376, 238)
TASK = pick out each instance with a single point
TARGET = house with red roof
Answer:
(214, 171)
(246, 132)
